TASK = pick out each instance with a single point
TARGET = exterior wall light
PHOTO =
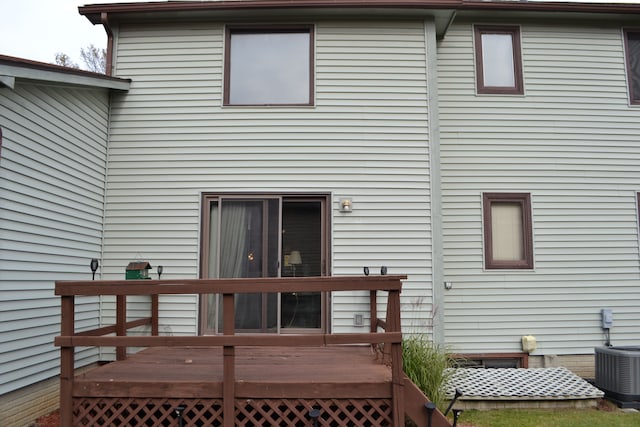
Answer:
(346, 205)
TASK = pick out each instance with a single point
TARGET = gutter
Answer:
(94, 12)
(551, 6)
(13, 69)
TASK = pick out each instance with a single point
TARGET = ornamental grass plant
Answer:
(426, 363)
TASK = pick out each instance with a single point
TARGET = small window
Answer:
(498, 61)
(508, 236)
(632, 53)
(269, 66)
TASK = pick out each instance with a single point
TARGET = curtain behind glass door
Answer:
(244, 242)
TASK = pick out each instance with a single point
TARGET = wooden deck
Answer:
(274, 386)
(352, 379)
(261, 372)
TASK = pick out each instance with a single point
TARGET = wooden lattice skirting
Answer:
(248, 412)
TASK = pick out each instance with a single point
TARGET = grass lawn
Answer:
(606, 415)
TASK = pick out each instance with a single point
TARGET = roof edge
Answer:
(551, 6)
(93, 11)
(33, 70)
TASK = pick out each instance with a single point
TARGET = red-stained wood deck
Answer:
(237, 379)
(261, 372)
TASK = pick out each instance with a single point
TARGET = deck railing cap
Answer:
(230, 286)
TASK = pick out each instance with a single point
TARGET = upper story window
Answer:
(269, 65)
(632, 50)
(508, 233)
(498, 60)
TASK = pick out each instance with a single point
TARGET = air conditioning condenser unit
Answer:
(618, 374)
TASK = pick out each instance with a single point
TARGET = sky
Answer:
(38, 29)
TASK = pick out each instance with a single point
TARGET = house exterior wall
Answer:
(366, 138)
(572, 142)
(52, 172)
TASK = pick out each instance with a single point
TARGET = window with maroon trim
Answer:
(508, 233)
(269, 65)
(632, 54)
(498, 60)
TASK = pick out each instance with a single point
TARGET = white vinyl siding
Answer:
(52, 173)
(572, 142)
(366, 138)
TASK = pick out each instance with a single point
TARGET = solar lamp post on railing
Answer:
(94, 267)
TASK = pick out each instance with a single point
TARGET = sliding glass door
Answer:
(302, 237)
(258, 236)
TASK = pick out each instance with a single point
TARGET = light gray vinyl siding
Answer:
(366, 138)
(52, 171)
(572, 142)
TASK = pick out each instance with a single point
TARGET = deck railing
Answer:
(390, 336)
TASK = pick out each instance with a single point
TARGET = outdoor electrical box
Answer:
(528, 343)
(607, 318)
(137, 270)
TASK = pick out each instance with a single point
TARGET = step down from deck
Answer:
(521, 388)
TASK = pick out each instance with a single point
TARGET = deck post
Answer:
(388, 326)
(155, 314)
(397, 373)
(67, 355)
(121, 324)
(373, 310)
(373, 307)
(228, 355)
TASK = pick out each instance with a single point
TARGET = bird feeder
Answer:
(137, 270)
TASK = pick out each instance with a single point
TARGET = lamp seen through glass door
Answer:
(295, 259)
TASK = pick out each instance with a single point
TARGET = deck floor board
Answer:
(260, 372)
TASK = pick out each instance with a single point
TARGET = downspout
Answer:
(437, 279)
(101, 302)
(108, 66)
(107, 28)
